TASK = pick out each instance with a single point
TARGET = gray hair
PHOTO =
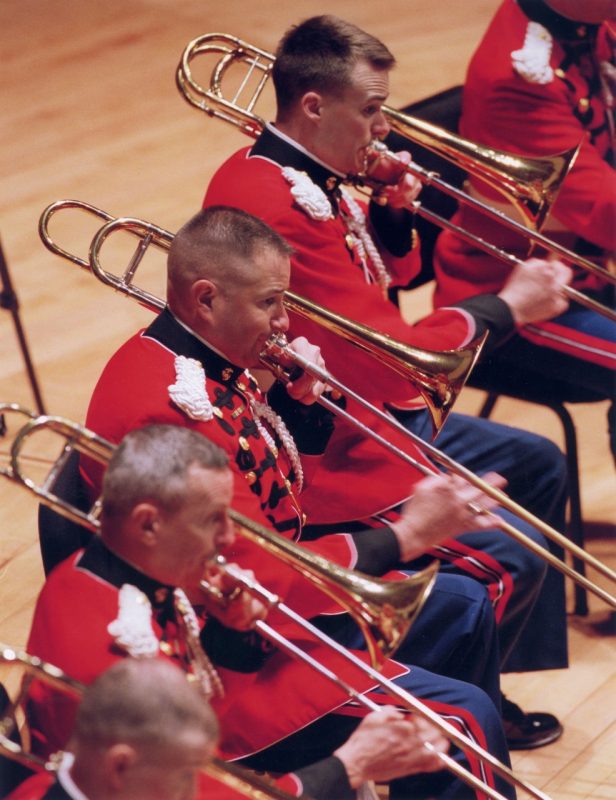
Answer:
(151, 464)
(220, 243)
(146, 702)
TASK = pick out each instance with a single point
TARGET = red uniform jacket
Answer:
(508, 106)
(327, 268)
(133, 391)
(82, 645)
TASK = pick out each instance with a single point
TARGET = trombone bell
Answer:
(439, 376)
(384, 610)
(530, 184)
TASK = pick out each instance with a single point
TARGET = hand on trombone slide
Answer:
(443, 506)
(389, 744)
(534, 290)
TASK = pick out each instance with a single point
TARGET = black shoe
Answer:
(527, 731)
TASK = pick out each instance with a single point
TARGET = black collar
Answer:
(106, 565)
(563, 29)
(167, 331)
(277, 149)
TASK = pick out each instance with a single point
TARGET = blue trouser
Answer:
(453, 635)
(574, 379)
(532, 624)
(455, 700)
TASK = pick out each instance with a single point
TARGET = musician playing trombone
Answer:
(550, 64)
(137, 591)
(143, 731)
(331, 80)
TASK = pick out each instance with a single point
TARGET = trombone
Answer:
(364, 338)
(229, 774)
(342, 584)
(530, 184)
(438, 376)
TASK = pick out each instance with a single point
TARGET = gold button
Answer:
(583, 102)
(236, 413)
(243, 443)
(241, 386)
(560, 73)
(217, 412)
(166, 648)
(349, 241)
(250, 477)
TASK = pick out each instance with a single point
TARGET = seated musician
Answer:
(163, 518)
(551, 64)
(142, 731)
(331, 79)
(227, 273)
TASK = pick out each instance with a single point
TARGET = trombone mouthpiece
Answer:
(279, 359)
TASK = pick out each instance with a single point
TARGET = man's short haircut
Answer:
(220, 243)
(145, 702)
(150, 464)
(319, 54)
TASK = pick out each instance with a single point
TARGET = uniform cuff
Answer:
(326, 779)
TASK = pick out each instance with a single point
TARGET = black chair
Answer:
(12, 773)
(444, 109)
(59, 537)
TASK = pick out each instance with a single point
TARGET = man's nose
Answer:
(280, 321)
(381, 126)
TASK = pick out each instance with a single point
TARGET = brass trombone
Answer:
(229, 774)
(342, 584)
(438, 376)
(530, 184)
(366, 339)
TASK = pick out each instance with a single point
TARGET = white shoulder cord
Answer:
(262, 410)
(205, 672)
(366, 248)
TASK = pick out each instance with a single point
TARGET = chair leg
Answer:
(576, 523)
(488, 405)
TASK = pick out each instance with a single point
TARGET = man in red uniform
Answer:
(143, 731)
(542, 81)
(163, 518)
(331, 80)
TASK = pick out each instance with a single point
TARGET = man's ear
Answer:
(311, 104)
(146, 517)
(117, 761)
(203, 293)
